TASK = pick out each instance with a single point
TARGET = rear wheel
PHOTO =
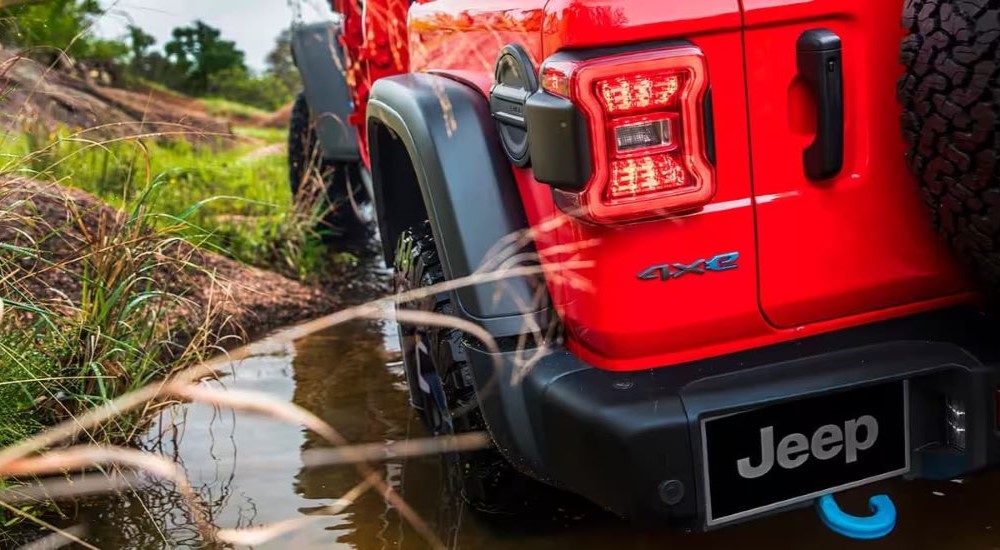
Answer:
(342, 180)
(441, 389)
(949, 95)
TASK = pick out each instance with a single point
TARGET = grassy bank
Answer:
(101, 297)
(232, 109)
(92, 301)
(232, 194)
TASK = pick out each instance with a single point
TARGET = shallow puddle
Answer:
(249, 472)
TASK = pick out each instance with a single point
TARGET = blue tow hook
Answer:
(879, 524)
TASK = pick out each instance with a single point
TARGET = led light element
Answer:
(634, 177)
(644, 134)
(637, 92)
(955, 420)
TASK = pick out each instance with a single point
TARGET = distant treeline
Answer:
(196, 61)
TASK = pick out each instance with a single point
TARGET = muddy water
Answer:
(248, 471)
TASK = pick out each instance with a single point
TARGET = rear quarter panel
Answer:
(613, 319)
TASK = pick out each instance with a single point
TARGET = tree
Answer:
(50, 27)
(139, 42)
(198, 52)
(281, 65)
(143, 61)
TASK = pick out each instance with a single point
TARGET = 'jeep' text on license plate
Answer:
(777, 455)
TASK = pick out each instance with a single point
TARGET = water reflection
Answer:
(248, 470)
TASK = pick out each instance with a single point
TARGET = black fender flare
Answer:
(466, 187)
(320, 60)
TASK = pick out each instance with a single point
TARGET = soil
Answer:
(235, 301)
(34, 94)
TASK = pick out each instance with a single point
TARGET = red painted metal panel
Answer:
(855, 251)
(861, 241)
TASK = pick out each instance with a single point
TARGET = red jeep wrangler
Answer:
(744, 305)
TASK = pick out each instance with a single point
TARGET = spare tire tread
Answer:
(949, 95)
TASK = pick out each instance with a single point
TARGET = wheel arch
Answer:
(435, 156)
(320, 60)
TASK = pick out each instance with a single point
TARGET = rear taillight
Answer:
(645, 117)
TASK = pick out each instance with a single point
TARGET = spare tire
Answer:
(949, 94)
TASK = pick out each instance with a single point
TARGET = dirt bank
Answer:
(38, 95)
(58, 238)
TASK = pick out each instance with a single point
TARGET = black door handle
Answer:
(819, 63)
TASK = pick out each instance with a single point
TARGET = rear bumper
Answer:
(631, 442)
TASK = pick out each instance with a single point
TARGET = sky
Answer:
(252, 24)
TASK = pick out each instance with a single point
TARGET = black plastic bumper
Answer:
(630, 441)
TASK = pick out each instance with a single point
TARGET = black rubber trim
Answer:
(709, 127)
(466, 185)
(566, 420)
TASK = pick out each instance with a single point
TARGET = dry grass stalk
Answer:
(372, 452)
(14, 460)
(59, 539)
(62, 488)
(88, 456)
(265, 533)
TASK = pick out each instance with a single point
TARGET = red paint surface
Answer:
(855, 250)
(859, 242)
(375, 46)
(623, 322)
(468, 34)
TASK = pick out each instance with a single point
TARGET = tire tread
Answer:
(949, 122)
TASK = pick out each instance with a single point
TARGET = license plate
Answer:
(777, 455)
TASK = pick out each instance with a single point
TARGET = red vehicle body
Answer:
(813, 258)
(756, 263)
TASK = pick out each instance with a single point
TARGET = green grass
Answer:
(267, 135)
(234, 202)
(60, 356)
(55, 361)
(27, 374)
(226, 108)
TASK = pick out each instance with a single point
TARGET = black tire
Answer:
(305, 156)
(302, 152)
(949, 95)
(447, 401)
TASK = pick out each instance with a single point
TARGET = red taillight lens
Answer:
(645, 113)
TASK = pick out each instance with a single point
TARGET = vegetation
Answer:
(56, 27)
(233, 200)
(101, 297)
(58, 357)
(129, 305)
(196, 61)
(228, 108)
(115, 326)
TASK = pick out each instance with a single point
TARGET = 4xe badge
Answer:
(665, 272)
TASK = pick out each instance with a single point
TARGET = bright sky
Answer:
(252, 24)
